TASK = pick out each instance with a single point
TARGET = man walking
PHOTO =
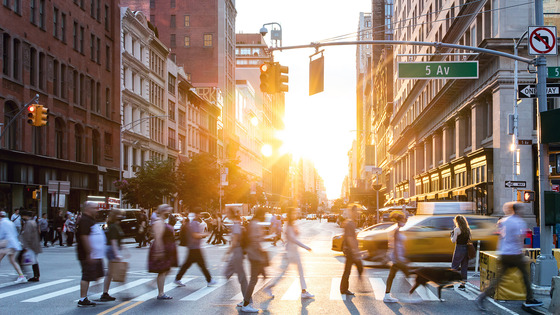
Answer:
(258, 258)
(16, 218)
(511, 229)
(235, 253)
(58, 226)
(44, 229)
(91, 250)
(31, 242)
(195, 253)
(351, 251)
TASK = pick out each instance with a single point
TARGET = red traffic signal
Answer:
(32, 114)
(267, 78)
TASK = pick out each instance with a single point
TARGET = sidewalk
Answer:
(516, 307)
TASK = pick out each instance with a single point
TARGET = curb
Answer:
(541, 290)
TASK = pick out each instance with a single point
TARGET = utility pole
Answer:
(546, 267)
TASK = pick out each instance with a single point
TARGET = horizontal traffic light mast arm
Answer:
(7, 127)
(401, 42)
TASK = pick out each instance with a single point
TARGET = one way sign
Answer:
(530, 90)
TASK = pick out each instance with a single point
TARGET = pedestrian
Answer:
(141, 229)
(396, 254)
(44, 229)
(113, 249)
(511, 229)
(219, 237)
(70, 225)
(31, 242)
(195, 252)
(257, 257)
(276, 227)
(91, 250)
(461, 236)
(163, 252)
(235, 255)
(212, 229)
(350, 250)
(58, 227)
(291, 256)
(10, 245)
(16, 219)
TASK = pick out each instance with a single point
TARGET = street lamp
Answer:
(125, 128)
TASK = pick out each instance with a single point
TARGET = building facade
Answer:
(68, 54)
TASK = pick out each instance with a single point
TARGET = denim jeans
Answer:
(461, 258)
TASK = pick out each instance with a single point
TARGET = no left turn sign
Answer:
(542, 40)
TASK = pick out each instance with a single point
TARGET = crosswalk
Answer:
(225, 291)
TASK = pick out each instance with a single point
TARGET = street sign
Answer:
(432, 69)
(516, 184)
(374, 170)
(542, 40)
(553, 72)
(54, 187)
(530, 90)
(525, 142)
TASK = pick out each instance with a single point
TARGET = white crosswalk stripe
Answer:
(32, 288)
(154, 293)
(378, 287)
(423, 291)
(335, 290)
(195, 296)
(239, 296)
(52, 294)
(127, 286)
(294, 291)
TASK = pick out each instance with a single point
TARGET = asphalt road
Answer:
(58, 290)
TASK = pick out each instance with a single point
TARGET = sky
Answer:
(319, 127)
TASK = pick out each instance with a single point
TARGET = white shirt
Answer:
(511, 230)
(97, 241)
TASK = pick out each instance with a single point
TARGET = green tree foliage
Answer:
(338, 204)
(197, 181)
(238, 187)
(152, 182)
(310, 199)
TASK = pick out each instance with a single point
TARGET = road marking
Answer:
(502, 307)
(114, 308)
(335, 290)
(294, 291)
(52, 295)
(154, 293)
(35, 287)
(128, 307)
(258, 287)
(423, 291)
(466, 295)
(204, 291)
(378, 287)
(127, 286)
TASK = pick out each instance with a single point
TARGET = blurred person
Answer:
(31, 242)
(257, 257)
(10, 244)
(70, 225)
(163, 252)
(44, 229)
(276, 227)
(396, 254)
(16, 219)
(219, 237)
(113, 251)
(351, 251)
(291, 256)
(195, 252)
(511, 229)
(58, 227)
(142, 229)
(235, 255)
(91, 250)
(212, 229)
(461, 235)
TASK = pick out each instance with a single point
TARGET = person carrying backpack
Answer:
(235, 252)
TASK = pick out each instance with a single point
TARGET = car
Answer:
(311, 216)
(427, 237)
(376, 228)
(384, 213)
(332, 218)
(178, 222)
(129, 224)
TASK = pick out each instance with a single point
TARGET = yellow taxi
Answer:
(427, 237)
(376, 228)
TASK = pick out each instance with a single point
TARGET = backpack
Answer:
(185, 234)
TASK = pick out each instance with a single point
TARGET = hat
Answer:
(397, 215)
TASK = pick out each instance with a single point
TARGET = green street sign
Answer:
(434, 70)
(553, 72)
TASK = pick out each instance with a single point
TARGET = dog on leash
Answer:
(442, 277)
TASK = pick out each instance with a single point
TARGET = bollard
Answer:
(554, 307)
(476, 273)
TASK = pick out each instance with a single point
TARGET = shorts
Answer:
(8, 251)
(91, 271)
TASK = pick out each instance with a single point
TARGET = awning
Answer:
(443, 194)
(431, 196)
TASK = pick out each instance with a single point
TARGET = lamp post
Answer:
(125, 128)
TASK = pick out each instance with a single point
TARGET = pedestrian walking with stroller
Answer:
(163, 252)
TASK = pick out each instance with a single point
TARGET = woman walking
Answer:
(219, 237)
(114, 236)
(291, 257)
(396, 254)
(258, 258)
(461, 235)
(235, 255)
(70, 229)
(31, 242)
(163, 252)
(9, 244)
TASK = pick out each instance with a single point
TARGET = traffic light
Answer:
(41, 115)
(37, 194)
(525, 195)
(280, 77)
(267, 78)
(32, 114)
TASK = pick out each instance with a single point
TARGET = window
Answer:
(55, 23)
(32, 66)
(125, 158)
(98, 98)
(171, 138)
(98, 51)
(108, 145)
(82, 91)
(152, 18)
(63, 27)
(81, 39)
(172, 43)
(172, 3)
(95, 147)
(17, 60)
(92, 46)
(108, 57)
(171, 110)
(59, 138)
(75, 35)
(152, 4)
(63, 81)
(207, 40)
(187, 41)
(17, 6)
(92, 9)
(42, 65)
(78, 145)
(171, 83)
(75, 86)
(106, 17)
(187, 20)
(172, 22)
(42, 14)
(55, 78)
(92, 94)
(107, 102)
(32, 13)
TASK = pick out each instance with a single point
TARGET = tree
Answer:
(152, 183)
(238, 187)
(338, 204)
(311, 199)
(197, 181)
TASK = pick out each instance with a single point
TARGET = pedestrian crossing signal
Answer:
(37, 194)
(525, 195)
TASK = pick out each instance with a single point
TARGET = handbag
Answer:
(471, 251)
(28, 257)
(118, 270)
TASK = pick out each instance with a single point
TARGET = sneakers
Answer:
(21, 279)
(164, 297)
(307, 295)
(480, 302)
(389, 298)
(240, 304)
(249, 309)
(85, 302)
(179, 283)
(105, 297)
(268, 291)
(532, 302)
(212, 283)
